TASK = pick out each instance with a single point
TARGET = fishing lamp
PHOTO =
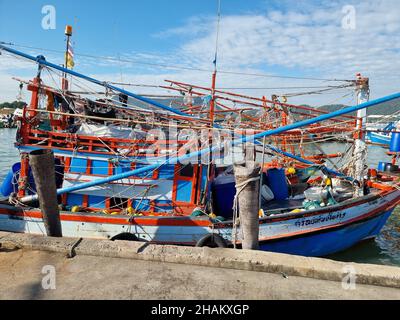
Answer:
(68, 30)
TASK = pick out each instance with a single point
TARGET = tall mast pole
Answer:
(212, 102)
(360, 148)
(68, 33)
(214, 75)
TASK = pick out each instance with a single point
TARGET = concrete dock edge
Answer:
(316, 268)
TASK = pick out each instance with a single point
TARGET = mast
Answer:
(360, 147)
(214, 75)
(212, 102)
(28, 116)
(68, 33)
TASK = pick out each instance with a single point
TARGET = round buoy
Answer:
(76, 209)
(291, 170)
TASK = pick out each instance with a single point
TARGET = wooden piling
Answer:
(42, 164)
(247, 176)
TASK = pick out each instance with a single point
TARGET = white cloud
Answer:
(312, 41)
(10, 62)
(193, 26)
(300, 39)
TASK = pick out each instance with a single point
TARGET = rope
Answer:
(71, 106)
(176, 66)
(330, 88)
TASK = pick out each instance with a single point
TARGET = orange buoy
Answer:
(373, 174)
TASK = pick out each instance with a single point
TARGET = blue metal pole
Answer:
(241, 140)
(41, 61)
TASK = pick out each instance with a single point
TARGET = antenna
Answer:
(217, 37)
(214, 76)
(213, 85)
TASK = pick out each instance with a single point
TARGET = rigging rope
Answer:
(265, 75)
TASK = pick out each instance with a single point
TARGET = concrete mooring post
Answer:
(247, 176)
(42, 164)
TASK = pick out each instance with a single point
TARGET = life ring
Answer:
(126, 236)
(212, 240)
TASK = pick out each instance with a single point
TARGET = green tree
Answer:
(12, 105)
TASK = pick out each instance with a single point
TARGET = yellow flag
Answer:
(69, 56)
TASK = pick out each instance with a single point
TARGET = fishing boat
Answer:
(6, 118)
(380, 128)
(129, 167)
(381, 135)
(379, 138)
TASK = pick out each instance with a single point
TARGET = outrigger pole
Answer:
(41, 61)
(242, 140)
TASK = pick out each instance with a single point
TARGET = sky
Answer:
(153, 40)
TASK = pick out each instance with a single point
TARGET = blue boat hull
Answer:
(379, 138)
(313, 233)
(331, 241)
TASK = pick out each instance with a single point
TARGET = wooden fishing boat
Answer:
(380, 133)
(113, 182)
(379, 138)
(316, 232)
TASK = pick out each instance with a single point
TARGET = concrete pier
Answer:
(101, 269)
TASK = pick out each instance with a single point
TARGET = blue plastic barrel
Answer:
(223, 196)
(382, 166)
(276, 180)
(395, 142)
(11, 180)
(10, 183)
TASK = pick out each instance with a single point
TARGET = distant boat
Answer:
(381, 136)
(7, 118)
(5, 122)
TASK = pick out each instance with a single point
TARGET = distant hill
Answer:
(387, 108)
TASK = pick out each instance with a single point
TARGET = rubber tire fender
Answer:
(212, 240)
(125, 236)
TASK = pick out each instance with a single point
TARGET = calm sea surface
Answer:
(385, 249)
